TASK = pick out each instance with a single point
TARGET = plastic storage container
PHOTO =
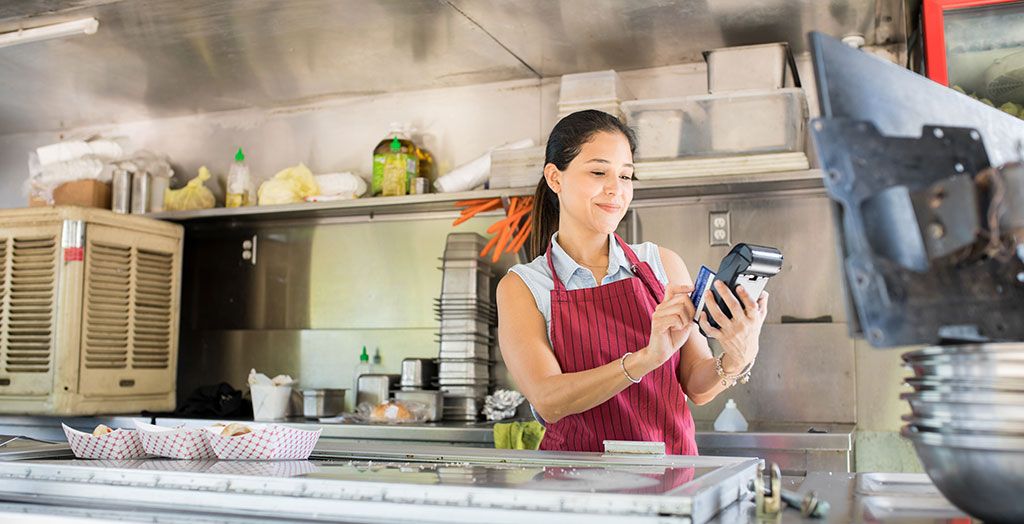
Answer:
(517, 167)
(600, 90)
(758, 67)
(593, 86)
(726, 124)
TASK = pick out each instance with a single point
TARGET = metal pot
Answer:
(317, 403)
(418, 373)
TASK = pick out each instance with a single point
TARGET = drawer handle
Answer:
(5, 382)
(127, 383)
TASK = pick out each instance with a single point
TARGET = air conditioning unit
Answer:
(89, 303)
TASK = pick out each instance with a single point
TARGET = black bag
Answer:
(216, 401)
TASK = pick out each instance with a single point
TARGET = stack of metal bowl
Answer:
(967, 425)
(468, 316)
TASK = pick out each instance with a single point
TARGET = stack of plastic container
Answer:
(601, 90)
(467, 314)
(755, 107)
(517, 167)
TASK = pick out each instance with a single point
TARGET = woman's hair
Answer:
(564, 143)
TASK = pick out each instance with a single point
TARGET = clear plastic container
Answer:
(730, 419)
(739, 123)
(592, 87)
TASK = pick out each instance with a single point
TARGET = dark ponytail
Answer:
(564, 143)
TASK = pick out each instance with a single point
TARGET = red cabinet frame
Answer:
(933, 12)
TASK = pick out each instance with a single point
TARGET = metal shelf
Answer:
(442, 202)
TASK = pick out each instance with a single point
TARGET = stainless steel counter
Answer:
(385, 478)
(382, 482)
(796, 448)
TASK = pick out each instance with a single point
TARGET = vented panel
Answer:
(129, 308)
(151, 335)
(29, 317)
(109, 289)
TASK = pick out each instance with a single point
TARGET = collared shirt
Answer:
(537, 275)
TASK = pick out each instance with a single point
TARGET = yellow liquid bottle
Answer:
(395, 175)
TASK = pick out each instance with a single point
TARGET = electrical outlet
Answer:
(249, 250)
(718, 228)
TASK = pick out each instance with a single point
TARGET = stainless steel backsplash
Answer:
(320, 291)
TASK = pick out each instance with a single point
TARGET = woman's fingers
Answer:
(706, 326)
(749, 307)
(716, 312)
(762, 304)
(729, 298)
(672, 290)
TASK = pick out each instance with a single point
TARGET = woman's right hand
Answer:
(671, 323)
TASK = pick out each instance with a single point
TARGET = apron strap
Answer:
(642, 270)
(554, 275)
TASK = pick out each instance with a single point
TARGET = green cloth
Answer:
(518, 435)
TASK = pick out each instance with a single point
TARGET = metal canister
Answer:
(419, 186)
(140, 192)
(122, 189)
(158, 185)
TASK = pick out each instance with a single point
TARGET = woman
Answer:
(613, 361)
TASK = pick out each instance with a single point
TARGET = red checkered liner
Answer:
(121, 444)
(269, 442)
(178, 443)
(274, 468)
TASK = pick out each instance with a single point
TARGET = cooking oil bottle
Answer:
(427, 168)
(400, 168)
(239, 184)
(380, 154)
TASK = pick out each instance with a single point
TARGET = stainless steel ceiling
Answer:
(160, 58)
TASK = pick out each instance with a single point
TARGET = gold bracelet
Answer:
(730, 380)
(622, 362)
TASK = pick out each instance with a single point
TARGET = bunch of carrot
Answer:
(511, 232)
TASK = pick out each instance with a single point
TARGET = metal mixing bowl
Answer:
(981, 475)
(964, 385)
(995, 350)
(977, 363)
(967, 405)
(957, 426)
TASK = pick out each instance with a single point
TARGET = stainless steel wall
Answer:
(319, 292)
(799, 360)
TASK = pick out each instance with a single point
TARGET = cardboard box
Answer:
(84, 193)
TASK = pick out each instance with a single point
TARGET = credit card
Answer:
(705, 277)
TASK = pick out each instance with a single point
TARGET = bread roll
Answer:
(391, 412)
(101, 430)
(235, 429)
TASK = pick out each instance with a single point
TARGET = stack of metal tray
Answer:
(467, 315)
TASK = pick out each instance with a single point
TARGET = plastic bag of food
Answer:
(288, 186)
(193, 196)
(391, 412)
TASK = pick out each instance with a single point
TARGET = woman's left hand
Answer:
(738, 335)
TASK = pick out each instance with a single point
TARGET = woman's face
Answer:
(596, 188)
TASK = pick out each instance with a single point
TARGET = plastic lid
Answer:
(730, 403)
(365, 357)
(395, 145)
(239, 156)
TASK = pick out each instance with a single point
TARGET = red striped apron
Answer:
(594, 326)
